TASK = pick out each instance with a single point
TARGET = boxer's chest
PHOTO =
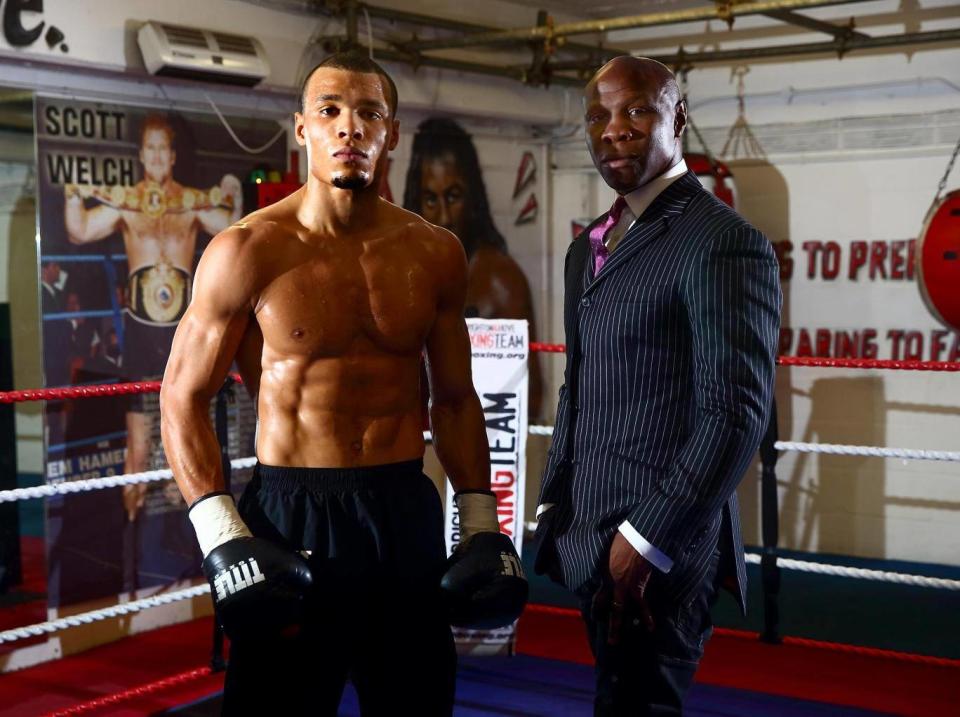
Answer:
(168, 234)
(335, 304)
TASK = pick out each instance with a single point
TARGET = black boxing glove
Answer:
(258, 588)
(484, 584)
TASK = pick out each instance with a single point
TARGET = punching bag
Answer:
(938, 260)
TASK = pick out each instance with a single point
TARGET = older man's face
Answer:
(633, 120)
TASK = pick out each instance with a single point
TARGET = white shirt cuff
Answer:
(543, 508)
(660, 561)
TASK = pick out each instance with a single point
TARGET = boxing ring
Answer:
(769, 559)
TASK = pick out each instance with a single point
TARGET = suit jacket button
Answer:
(585, 301)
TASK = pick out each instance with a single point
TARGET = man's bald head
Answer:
(641, 71)
(634, 118)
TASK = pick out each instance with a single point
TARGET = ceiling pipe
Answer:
(846, 40)
(511, 73)
(720, 11)
(679, 59)
(441, 23)
(838, 47)
(793, 18)
(351, 19)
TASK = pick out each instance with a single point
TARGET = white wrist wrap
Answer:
(478, 514)
(216, 521)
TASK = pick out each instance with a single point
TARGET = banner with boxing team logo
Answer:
(500, 352)
(128, 199)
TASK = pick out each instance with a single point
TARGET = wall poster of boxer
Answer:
(481, 189)
(128, 199)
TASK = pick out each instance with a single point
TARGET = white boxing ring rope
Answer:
(85, 618)
(43, 491)
(82, 486)
(838, 449)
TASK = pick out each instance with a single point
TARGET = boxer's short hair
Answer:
(355, 61)
(156, 122)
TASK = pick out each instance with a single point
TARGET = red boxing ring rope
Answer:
(91, 391)
(868, 363)
(820, 362)
(132, 693)
(547, 348)
(120, 389)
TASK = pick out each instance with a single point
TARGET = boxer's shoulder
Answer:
(251, 242)
(490, 260)
(435, 241)
(447, 251)
(496, 274)
(413, 224)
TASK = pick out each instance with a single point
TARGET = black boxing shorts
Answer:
(145, 351)
(375, 614)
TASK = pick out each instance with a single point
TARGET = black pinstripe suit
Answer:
(668, 384)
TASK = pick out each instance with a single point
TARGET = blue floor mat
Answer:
(525, 686)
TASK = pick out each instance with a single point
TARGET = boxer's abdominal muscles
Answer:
(359, 408)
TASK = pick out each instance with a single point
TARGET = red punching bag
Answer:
(938, 260)
(714, 175)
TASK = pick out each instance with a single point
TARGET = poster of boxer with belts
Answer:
(128, 199)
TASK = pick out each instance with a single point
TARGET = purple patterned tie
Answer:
(599, 233)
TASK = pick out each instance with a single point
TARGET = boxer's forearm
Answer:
(460, 440)
(190, 444)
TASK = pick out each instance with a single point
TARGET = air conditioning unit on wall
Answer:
(177, 51)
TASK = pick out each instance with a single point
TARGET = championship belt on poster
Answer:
(500, 350)
(159, 294)
(151, 198)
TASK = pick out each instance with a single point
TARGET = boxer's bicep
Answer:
(86, 225)
(448, 343)
(512, 292)
(448, 359)
(210, 332)
(215, 220)
(456, 418)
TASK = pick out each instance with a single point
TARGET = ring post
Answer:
(10, 559)
(220, 422)
(770, 529)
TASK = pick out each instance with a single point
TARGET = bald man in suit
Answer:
(671, 313)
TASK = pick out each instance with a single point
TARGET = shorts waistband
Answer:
(320, 480)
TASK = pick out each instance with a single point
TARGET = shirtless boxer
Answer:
(346, 291)
(159, 219)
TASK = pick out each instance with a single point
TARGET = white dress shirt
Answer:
(639, 199)
(637, 202)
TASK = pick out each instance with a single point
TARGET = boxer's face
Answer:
(157, 155)
(442, 193)
(634, 121)
(347, 128)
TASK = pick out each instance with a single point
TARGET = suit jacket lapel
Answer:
(653, 223)
(578, 256)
